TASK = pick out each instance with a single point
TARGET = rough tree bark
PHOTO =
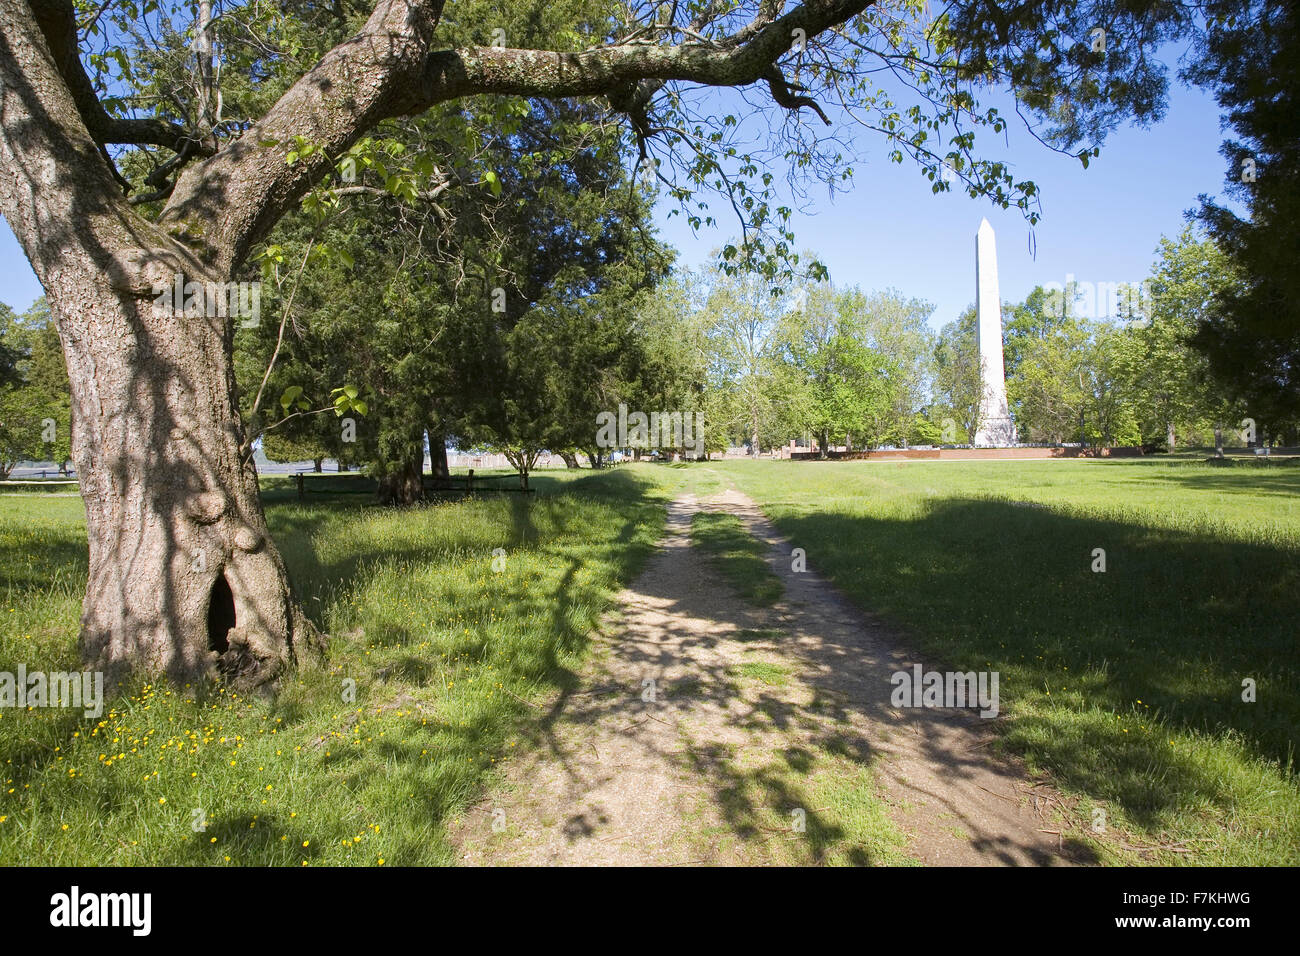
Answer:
(182, 574)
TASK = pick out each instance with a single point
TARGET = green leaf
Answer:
(290, 396)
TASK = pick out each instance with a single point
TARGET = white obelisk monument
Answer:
(995, 428)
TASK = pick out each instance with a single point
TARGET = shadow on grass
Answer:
(60, 556)
(297, 530)
(1237, 477)
(565, 602)
(411, 778)
(1168, 632)
(696, 644)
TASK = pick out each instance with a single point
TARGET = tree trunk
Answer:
(438, 455)
(181, 572)
(183, 578)
(1169, 435)
(405, 485)
(570, 459)
(317, 465)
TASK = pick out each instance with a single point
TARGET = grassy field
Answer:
(443, 649)
(1125, 684)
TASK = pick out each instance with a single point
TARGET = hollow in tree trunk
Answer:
(183, 578)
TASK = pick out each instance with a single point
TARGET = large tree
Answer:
(180, 568)
(834, 379)
(1174, 395)
(742, 314)
(1251, 337)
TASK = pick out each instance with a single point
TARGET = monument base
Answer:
(995, 433)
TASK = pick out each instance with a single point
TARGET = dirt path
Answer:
(708, 731)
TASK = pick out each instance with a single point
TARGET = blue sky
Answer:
(1101, 224)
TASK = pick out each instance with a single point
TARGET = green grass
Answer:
(27, 487)
(799, 805)
(773, 675)
(1125, 685)
(697, 480)
(737, 555)
(442, 649)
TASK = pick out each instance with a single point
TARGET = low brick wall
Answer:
(971, 454)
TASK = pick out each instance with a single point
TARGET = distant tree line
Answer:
(35, 399)
(517, 344)
(856, 370)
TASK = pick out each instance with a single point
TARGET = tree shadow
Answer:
(1166, 634)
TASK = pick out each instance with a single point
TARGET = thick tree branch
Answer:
(225, 204)
(57, 192)
(59, 26)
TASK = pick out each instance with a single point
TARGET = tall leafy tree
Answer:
(10, 352)
(1250, 58)
(743, 312)
(1170, 383)
(123, 178)
(898, 327)
(37, 397)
